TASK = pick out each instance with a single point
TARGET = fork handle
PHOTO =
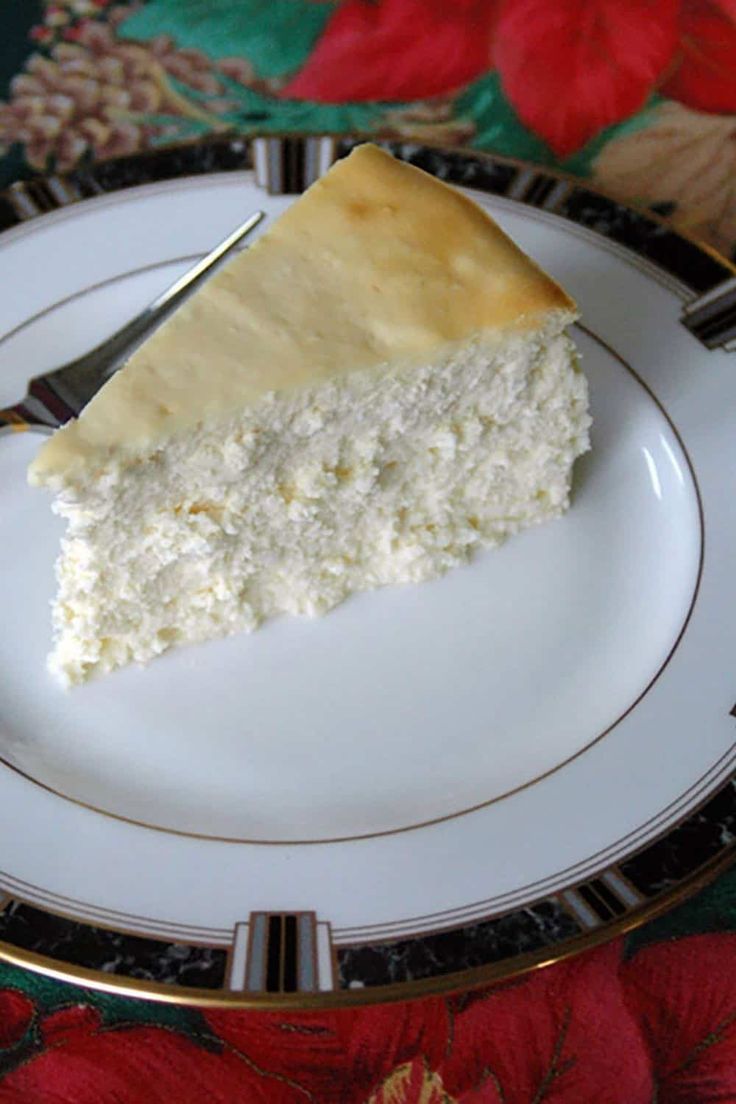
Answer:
(19, 418)
(123, 344)
(12, 421)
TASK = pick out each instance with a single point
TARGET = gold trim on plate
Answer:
(463, 980)
(467, 979)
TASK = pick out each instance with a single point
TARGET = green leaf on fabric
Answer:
(199, 126)
(275, 36)
(253, 112)
(49, 994)
(713, 910)
(499, 129)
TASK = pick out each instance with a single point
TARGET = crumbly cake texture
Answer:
(379, 386)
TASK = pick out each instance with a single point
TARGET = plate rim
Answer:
(475, 977)
(31, 198)
(39, 195)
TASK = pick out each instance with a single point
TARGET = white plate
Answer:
(422, 756)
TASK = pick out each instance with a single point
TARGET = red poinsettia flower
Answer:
(340, 1056)
(592, 1029)
(705, 76)
(87, 1064)
(684, 996)
(396, 50)
(574, 67)
(660, 1026)
(568, 1025)
(569, 68)
(16, 1015)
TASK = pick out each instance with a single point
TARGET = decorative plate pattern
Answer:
(295, 957)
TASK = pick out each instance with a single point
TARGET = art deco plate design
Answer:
(432, 786)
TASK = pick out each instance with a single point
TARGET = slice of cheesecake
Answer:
(379, 386)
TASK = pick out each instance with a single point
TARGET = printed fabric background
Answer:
(639, 96)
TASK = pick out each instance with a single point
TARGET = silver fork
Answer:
(55, 397)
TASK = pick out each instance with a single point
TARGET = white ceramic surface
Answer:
(403, 706)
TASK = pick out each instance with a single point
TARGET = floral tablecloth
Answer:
(640, 97)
